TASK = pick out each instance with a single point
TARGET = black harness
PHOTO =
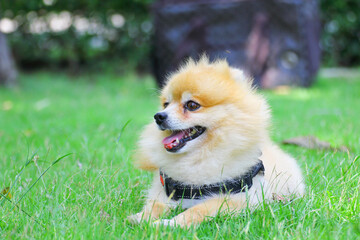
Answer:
(178, 190)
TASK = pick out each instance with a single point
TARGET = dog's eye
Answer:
(166, 104)
(192, 106)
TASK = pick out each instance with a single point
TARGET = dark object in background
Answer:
(276, 41)
(7, 67)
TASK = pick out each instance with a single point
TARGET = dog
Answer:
(209, 148)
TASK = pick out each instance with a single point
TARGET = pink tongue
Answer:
(170, 139)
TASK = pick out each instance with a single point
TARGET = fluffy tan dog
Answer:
(210, 149)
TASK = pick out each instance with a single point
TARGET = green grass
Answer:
(88, 194)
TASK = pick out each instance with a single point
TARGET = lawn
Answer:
(97, 118)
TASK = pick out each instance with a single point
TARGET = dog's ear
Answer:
(241, 76)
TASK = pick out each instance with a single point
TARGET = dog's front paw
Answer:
(178, 221)
(165, 222)
(136, 218)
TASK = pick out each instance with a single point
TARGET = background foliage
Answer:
(341, 32)
(92, 37)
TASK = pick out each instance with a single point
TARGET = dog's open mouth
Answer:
(179, 138)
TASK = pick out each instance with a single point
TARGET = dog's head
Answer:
(212, 105)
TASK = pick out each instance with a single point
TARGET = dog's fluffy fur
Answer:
(236, 120)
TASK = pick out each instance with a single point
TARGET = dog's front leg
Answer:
(156, 204)
(209, 208)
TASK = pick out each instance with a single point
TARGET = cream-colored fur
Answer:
(236, 120)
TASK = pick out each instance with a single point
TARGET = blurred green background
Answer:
(93, 33)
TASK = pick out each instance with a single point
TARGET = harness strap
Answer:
(179, 190)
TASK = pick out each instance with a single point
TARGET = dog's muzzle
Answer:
(160, 119)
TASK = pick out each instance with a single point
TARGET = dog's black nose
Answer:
(160, 117)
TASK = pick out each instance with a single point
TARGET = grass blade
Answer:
(123, 129)
(19, 174)
(23, 211)
(32, 185)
